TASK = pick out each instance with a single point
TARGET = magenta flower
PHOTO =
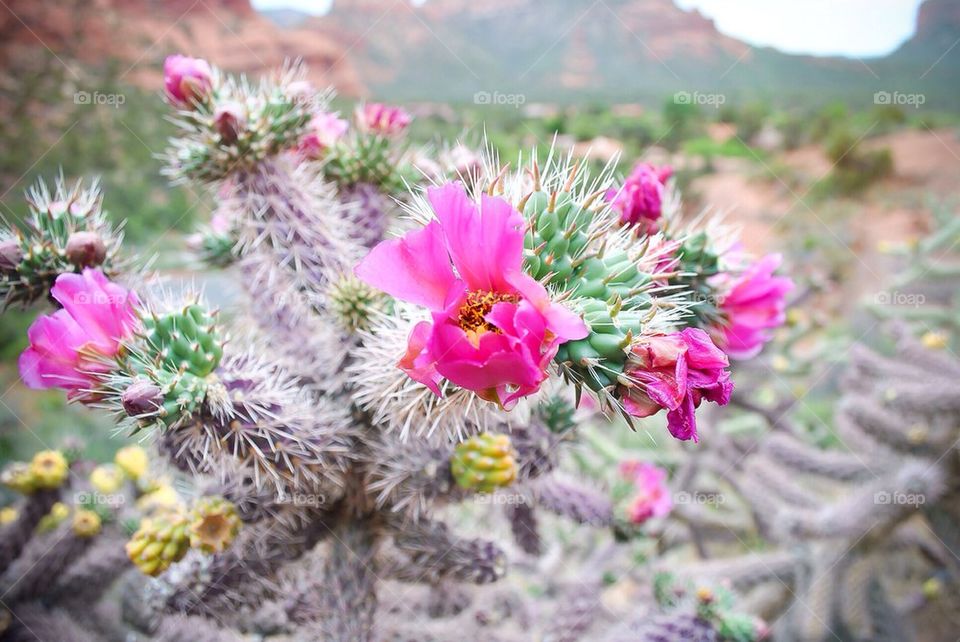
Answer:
(494, 329)
(187, 80)
(753, 303)
(640, 200)
(323, 131)
(676, 372)
(385, 120)
(69, 347)
(652, 498)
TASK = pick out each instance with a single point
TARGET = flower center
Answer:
(473, 312)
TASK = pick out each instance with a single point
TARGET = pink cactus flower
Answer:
(753, 302)
(494, 329)
(70, 347)
(187, 80)
(640, 200)
(652, 498)
(323, 131)
(676, 372)
(386, 120)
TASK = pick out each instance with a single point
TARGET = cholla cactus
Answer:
(62, 547)
(862, 535)
(67, 231)
(356, 406)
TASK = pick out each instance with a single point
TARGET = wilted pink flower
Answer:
(676, 372)
(753, 303)
(68, 348)
(229, 119)
(385, 120)
(494, 329)
(640, 200)
(187, 80)
(652, 498)
(324, 130)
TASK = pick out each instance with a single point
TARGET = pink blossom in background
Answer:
(323, 131)
(69, 347)
(386, 120)
(640, 200)
(753, 302)
(186, 80)
(652, 496)
(494, 329)
(676, 372)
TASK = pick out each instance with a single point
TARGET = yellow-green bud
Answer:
(484, 463)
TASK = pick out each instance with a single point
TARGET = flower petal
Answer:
(484, 246)
(414, 268)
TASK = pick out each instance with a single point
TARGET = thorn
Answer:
(553, 201)
(573, 175)
(497, 179)
(536, 177)
(617, 305)
(523, 202)
(590, 199)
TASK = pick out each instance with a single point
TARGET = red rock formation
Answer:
(937, 16)
(140, 33)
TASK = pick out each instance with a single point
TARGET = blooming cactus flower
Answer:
(187, 80)
(494, 329)
(385, 120)
(676, 372)
(652, 497)
(753, 303)
(323, 131)
(67, 348)
(640, 200)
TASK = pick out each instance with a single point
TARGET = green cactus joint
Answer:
(364, 159)
(159, 542)
(354, 303)
(557, 414)
(484, 463)
(696, 264)
(186, 341)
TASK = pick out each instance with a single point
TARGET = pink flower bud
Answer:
(10, 255)
(324, 130)
(187, 80)
(86, 249)
(386, 120)
(141, 397)
(228, 120)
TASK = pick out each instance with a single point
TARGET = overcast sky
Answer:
(826, 27)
